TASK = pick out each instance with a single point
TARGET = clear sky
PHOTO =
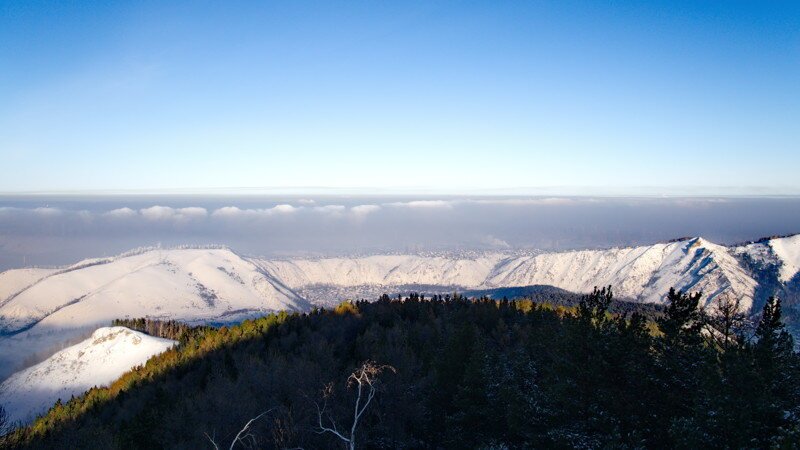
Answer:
(694, 96)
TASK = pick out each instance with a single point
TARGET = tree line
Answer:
(167, 329)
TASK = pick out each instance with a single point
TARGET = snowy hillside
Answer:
(787, 251)
(97, 361)
(45, 310)
(42, 310)
(382, 270)
(783, 253)
(187, 284)
(196, 285)
(14, 281)
(643, 273)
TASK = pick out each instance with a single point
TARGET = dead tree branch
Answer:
(365, 380)
(242, 434)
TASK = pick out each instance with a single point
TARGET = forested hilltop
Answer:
(448, 372)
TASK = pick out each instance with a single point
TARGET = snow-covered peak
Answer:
(97, 361)
(189, 284)
(193, 285)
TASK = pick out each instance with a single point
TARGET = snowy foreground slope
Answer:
(97, 361)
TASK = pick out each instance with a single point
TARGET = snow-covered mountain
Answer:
(750, 272)
(641, 273)
(97, 361)
(190, 284)
(787, 251)
(44, 309)
(781, 255)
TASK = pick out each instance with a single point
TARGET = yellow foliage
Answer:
(346, 307)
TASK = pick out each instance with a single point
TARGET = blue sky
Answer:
(630, 97)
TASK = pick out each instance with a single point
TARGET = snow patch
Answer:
(788, 252)
(97, 361)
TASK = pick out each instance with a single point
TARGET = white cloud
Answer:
(330, 209)
(282, 209)
(47, 211)
(228, 211)
(364, 210)
(192, 212)
(231, 212)
(167, 213)
(120, 213)
(335, 211)
(157, 212)
(306, 201)
(527, 201)
(424, 204)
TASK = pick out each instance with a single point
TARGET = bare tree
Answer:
(242, 435)
(365, 379)
(726, 321)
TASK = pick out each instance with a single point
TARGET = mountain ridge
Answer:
(43, 308)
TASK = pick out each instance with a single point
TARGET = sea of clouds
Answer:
(41, 230)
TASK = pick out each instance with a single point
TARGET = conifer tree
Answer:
(777, 370)
(773, 342)
(682, 320)
(593, 307)
(680, 365)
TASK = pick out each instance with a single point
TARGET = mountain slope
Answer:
(774, 264)
(193, 285)
(190, 284)
(787, 250)
(12, 282)
(97, 361)
(641, 273)
(382, 270)
(43, 310)
(456, 374)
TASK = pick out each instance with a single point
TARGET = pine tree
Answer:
(682, 320)
(773, 341)
(593, 308)
(776, 368)
(470, 425)
(681, 361)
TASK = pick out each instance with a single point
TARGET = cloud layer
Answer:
(61, 231)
